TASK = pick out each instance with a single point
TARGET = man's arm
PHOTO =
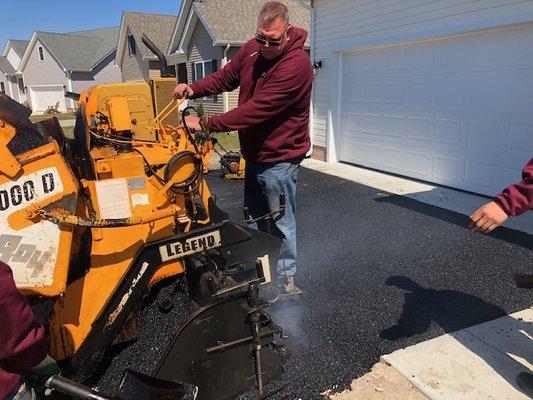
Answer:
(518, 198)
(513, 201)
(283, 89)
(22, 337)
(223, 80)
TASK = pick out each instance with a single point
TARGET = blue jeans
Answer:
(262, 187)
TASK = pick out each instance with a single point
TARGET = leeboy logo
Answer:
(196, 244)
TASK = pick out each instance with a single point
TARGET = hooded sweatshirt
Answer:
(274, 100)
(518, 198)
(22, 337)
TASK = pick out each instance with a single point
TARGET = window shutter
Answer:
(214, 67)
(193, 69)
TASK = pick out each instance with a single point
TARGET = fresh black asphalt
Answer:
(367, 260)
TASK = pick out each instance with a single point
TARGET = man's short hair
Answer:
(271, 11)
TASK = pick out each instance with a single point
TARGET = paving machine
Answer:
(95, 221)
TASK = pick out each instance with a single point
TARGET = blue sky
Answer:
(22, 17)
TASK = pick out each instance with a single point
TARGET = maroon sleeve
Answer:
(22, 337)
(518, 198)
(283, 89)
(224, 80)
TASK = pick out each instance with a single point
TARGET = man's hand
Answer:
(181, 90)
(488, 217)
(47, 367)
(193, 123)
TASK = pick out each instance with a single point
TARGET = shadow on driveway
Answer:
(453, 310)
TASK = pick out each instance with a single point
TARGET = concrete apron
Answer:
(479, 362)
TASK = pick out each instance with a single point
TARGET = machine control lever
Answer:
(271, 215)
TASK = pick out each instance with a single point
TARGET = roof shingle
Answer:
(158, 28)
(20, 45)
(6, 66)
(82, 50)
(235, 22)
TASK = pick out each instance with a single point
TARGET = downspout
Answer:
(225, 95)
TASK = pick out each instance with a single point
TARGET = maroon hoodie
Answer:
(518, 198)
(22, 337)
(274, 100)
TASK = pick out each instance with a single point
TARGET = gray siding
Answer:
(47, 72)
(345, 24)
(201, 49)
(106, 72)
(134, 68)
(233, 97)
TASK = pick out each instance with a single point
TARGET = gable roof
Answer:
(6, 66)
(20, 46)
(76, 51)
(229, 22)
(158, 28)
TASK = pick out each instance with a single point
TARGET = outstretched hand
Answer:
(488, 217)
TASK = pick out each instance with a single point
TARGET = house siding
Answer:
(106, 72)
(233, 97)
(46, 72)
(7, 84)
(201, 49)
(13, 58)
(339, 24)
(134, 68)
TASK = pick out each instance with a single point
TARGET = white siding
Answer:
(47, 72)
(13, 58)
(341, 25)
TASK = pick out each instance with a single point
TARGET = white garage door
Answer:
(44, 96)
(455, 111)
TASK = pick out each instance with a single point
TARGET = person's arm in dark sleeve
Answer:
(22, 338)
(518, 198)
(281, 91)
(224, 80)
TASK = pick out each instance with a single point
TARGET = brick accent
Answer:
(319, 153)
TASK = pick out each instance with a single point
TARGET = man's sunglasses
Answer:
(271, 42)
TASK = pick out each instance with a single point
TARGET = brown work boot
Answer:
(288, 290)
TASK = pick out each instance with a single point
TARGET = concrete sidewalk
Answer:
(479, 362)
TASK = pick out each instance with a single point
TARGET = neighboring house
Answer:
(439, 91)
(11, 82)
(58, 62)
(209, 33)
(134, 59)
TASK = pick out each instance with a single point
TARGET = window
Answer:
(132, 45)
(41, 53)
(3, 87)
(20, 82)
(201, 69)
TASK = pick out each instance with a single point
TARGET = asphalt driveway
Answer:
(379, 272)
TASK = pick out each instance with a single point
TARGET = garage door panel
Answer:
(457, 111)
(43, 97)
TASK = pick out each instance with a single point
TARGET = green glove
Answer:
(45, 368)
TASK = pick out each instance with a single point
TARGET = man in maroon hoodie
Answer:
(513, 201)
(275, 78)
(23, 345)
